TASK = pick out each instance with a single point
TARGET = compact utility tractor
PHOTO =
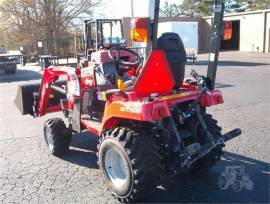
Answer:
(151, 121)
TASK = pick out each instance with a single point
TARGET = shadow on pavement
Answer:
(187, 188)
(222, 85)
(21, 75)
(83, 150)
(230, 63)
(206, 188)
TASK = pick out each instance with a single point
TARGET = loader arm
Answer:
(57, 85)
(48, 86)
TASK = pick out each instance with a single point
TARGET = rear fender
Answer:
(119, 111)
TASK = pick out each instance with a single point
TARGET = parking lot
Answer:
(29, 174)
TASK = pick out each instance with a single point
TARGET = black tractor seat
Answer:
(175, 51)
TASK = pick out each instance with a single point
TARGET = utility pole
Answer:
(250, 4)
(132, 8)
(75, 45)
(132, 17)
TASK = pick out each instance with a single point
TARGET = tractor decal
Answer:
(131, 107)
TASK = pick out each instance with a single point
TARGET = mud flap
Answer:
(24, 99)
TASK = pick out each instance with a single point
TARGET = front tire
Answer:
(129, 161)
(57, 136)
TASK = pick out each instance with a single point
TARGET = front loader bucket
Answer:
(24, 99)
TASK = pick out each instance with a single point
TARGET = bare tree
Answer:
(45, 20)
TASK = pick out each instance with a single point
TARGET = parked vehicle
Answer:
(8, 63)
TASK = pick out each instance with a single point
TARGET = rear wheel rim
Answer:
(115, 168)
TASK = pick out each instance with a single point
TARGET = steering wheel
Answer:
(117, 59)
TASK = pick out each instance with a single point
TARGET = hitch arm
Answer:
(207, 148)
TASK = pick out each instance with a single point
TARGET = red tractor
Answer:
(151, 121)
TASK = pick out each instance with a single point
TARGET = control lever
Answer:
(195, 75)
(199, 78)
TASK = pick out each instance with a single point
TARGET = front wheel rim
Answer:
(48, 137)
(115, 168)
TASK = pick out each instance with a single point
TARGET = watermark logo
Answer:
(235, 177)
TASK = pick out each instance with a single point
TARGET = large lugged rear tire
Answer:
(57, 136)
(130, 162)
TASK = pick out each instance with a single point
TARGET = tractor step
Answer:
(207, 148)
(90, 124)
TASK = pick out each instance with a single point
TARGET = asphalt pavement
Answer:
(28, 174)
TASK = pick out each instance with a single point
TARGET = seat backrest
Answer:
(174, 49)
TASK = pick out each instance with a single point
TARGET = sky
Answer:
(122, 8)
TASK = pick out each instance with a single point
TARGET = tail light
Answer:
(227, 30)
(139, 29)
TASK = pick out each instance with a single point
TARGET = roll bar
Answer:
(217, 31)
(155, 24)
